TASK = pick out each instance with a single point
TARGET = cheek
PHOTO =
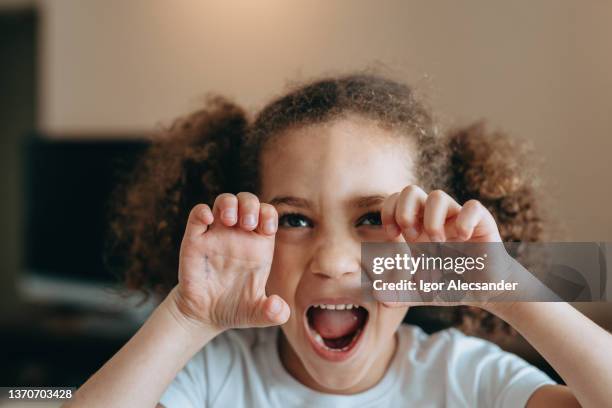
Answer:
(292, 236)
(372, 234)
(285, 272)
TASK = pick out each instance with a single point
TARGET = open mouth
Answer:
(335, 329)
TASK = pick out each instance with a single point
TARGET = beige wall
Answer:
(540, 69)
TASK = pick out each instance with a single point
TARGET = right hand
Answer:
(224, 264)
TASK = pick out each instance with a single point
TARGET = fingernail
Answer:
(391, 230)
(249, 220)
(275, 306)
(229, 214)
(270, 226)
(411, 233)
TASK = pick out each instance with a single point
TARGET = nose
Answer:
(336, 258)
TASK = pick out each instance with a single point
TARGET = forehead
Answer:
(348, 156)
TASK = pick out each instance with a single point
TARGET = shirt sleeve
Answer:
(491, 377)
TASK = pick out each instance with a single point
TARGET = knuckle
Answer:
(411, 189)
(390, 201)
(437, 195)
(432, 229)
(267, 209)
(389, 207)
(403, 219)
(473, 204)
(462, 229)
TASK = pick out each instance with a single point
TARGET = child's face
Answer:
(328, 182)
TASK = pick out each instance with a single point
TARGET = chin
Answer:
(335, 341)
(338, 381)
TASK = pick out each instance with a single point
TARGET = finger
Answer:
(271, 311)
(268, 219)
(387, 216)
(248, 210)
(468, 218)
(200, 217)
(439, 206)
(409, 208)
(479, 221)
(394, 305)
(225, 209)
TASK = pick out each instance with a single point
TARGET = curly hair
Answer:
(218, 148)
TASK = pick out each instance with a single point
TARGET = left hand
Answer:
(436, 217)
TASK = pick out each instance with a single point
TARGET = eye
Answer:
(294, 220)
(370, 219)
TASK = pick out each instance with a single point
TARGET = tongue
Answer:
(332, 324)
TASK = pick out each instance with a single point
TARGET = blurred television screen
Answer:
(68, 184)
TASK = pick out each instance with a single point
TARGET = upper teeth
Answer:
(347, 306)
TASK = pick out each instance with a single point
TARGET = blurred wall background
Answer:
(540, 70)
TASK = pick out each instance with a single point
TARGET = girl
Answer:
(269, 216)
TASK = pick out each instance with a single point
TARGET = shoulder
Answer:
(450, 342)
(476, 371)
(236, 346)
(217, 369)
(446, 342)
(464, 353)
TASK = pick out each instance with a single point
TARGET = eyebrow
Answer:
(359, 202)
(367, 201)
(291, 201)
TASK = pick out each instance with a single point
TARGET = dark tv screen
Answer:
(68, 185)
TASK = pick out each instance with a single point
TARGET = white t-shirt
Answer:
(242, 368)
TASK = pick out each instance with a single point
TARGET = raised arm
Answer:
(577, 348)
(140, 372)
(224, 264)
